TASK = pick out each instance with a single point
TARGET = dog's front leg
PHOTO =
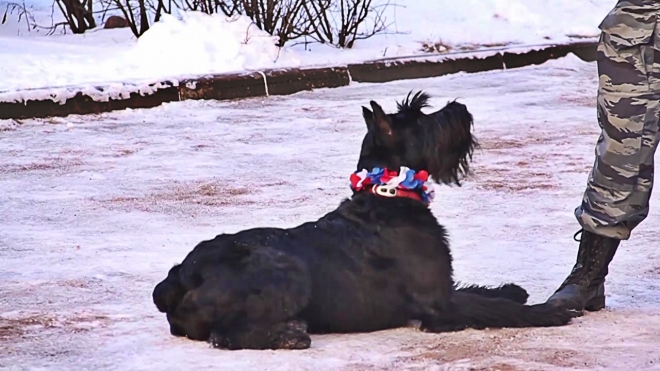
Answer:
(286, 335)
(442, 318)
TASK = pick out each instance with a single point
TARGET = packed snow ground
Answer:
(200, 44)
(95, 209)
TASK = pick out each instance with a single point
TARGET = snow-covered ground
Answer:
(95, 209)
(200, 44)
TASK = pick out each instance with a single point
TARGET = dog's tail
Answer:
(169, 293)
(479, 312)
(509, 291)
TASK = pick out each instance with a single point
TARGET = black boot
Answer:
(584, 288)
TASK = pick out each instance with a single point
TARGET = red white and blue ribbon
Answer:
(406, 179)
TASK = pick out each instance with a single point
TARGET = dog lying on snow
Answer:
(376, 262)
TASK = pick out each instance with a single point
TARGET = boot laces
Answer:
(578, 233)
(580, 265)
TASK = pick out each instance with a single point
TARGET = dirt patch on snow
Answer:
(33, 324)
(196, 193)
(199, 197)
(514, 179)
(579, 100)
(58, 164)
(124, 152)
(504, 349)
(494, 144)
(534, 162)
(74, 152)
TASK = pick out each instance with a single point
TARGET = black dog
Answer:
(374, 263)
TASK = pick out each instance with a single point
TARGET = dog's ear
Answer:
(449, 143)
(380, 120)
(368, 118)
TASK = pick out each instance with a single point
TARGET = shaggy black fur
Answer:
(372, 264)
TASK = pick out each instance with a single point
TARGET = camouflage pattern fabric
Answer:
(619, 186)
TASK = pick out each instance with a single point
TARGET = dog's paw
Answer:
(549, 315)
(513, 292)
(293, 340)
(219, 341)
(176, 330)
(563, 316)
(441, 327)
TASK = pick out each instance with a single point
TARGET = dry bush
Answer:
(282, 18)
(79, 14)
(140, 14)
(335, 22)
(340, 22)
(23, 14)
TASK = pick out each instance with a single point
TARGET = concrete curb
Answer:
(288, 81)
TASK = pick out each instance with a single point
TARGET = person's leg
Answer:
(619, 186)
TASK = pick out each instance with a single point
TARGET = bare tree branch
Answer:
(342, 22)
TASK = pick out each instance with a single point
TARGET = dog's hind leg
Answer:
(508, 291)
(286, 335)
(249, 302)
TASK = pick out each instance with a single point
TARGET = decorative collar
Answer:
(386, 183)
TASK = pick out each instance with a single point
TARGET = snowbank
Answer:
(198, 43)
(194, 43)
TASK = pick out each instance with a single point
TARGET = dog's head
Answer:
(440, 142)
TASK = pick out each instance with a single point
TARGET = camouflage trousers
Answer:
(628, 106)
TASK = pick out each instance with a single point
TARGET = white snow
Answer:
(193, 43)
(196, 44)
(99, 92)
(235, 44)
(95, 209)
